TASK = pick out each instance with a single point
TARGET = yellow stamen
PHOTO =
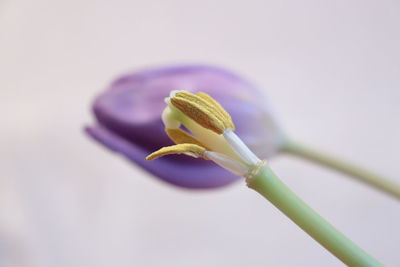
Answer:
(187, 149)
(181, 137)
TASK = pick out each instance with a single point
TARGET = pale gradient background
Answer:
(331, 69)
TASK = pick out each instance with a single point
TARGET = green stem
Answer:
(358, 173)
(269, 185)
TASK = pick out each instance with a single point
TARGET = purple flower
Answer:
(129, 122)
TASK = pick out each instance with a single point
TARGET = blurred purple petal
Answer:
(185, 175)
(129, 120)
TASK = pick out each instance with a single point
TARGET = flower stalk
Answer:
(266, 183)
(360, 174)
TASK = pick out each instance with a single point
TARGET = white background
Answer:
(330, 68)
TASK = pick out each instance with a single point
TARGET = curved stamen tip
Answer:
(187, 149)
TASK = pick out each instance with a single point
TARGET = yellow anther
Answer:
(187, 149)
(204, 110)
(181, 137)
(210, 104)
(199, 114)
(219, 108)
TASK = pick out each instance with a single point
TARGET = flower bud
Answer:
(128, 116)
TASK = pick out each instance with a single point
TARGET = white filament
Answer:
(227, 163)
(240, 148)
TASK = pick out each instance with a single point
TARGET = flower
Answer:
(128, 116)
(210, 133)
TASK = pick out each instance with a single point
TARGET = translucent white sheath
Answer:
(227, 163)
(240, 148)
